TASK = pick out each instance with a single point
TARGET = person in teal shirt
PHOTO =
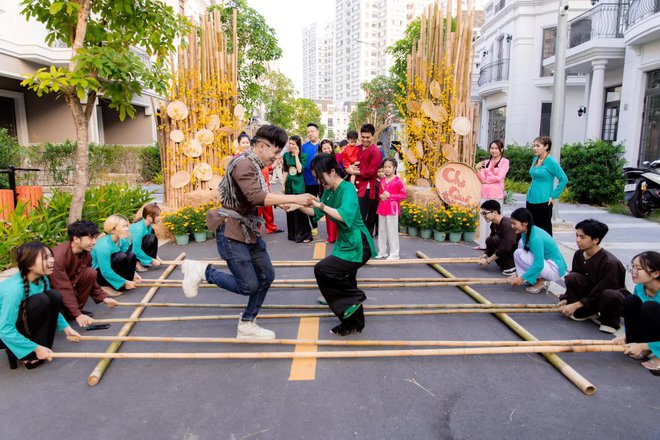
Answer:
(537, 259)
(143, 238)
(641, 312)
(114, 262)
(29, 309)
(297, 223)
(542, 192)
(336, 274)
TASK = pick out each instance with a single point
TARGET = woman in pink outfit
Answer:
(392, 192)
(492, 173)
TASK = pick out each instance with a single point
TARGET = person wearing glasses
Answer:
(502, 241)
(237, 231)
(641, 312)
(491, 173)
(596, 285)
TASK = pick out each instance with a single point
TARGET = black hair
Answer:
(324, 163)
(545, 141)
(343, 143)
(379, 143)
(25, 257)
(82, 228)
(368, 128)
(312, 124)
(500, 146)
(319, 149)
(297, 139)
(352, 134)
(390, 159)
(492, 205)
(593, 228)
(524, 216)
(241, 136)
(273, 134)
(649, 260)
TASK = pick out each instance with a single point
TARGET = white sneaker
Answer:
(194, 273)
(139, 267)
(380, 256)
(607, 329)
(251, 330)
(392, 257)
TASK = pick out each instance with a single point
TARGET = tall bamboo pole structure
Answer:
(576, 378)
(104, 363)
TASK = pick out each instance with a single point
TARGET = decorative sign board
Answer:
(457, 183)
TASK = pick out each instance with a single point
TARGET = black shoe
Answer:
(13, 361)
(31, 365)
(90, 314)
(340, 330)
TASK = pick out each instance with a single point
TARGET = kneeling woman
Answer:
(114, 263)
(336, 274)
(641, 311)
(537, 259)
(29, 309)
(143, 238)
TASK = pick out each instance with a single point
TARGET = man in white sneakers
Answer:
(237, 231)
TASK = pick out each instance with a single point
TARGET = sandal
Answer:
(653, 366)
(543, 288)
(642, 356)
(31, 365)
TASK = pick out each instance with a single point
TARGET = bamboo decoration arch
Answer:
(199, 122)
(439, 122)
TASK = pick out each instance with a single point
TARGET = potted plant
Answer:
(470, 222)
(179, 225)
(405, 217)
(426, 222)
(413, 226)
(198, 224)
(439, 224)
(454, 223)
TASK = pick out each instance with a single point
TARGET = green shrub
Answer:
(481, 155)
(10, 154)
(520, 159)
(516, 186)
(150, 163)
(595, 171)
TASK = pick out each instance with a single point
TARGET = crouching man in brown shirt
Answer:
(73, 275)
(237, 235)
(596, 286)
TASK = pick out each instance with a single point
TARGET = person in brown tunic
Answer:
(502, 242)
(595, 287)
(73, 275)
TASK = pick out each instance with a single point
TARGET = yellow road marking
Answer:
(305, 369)
(319, 250)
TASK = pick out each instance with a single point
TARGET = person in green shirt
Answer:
(297, 223)
(30, 309)
(144, 243)
(336, 274)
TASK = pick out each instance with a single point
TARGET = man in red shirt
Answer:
(365, 172)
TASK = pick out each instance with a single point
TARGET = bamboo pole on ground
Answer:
(364, 280)
(323, 307)
(543, 349)
(103, 364)
(307, 263)
(361, 285)
(342, 342)
(326, 315)
(576, 378)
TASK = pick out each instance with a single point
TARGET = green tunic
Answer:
(349, 232)
(295, 182)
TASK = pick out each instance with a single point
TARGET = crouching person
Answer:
(144, 243)
(114, 263)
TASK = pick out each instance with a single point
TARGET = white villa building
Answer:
(612, 66)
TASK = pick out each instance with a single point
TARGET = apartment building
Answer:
(612, 67)
(318, 55)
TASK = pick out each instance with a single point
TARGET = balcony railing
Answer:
(640, 9)
(492, 72)
(602, 21)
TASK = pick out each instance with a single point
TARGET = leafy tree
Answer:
(278, 98)
(378, 106)
(102, 35)
(257, 46)
(400, 51)
(305, 112)
(10, 154)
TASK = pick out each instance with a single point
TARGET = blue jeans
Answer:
(251, 271)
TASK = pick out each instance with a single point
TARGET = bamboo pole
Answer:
(342, 342)
(576, 378)
(365, 280)
(544, 349)
(323, 307)
(307, 263)
(327, 315)
(362, 285)
(103, 364)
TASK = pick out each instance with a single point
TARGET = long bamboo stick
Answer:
(544, 349)
(366, 280)
(103, 364)
(307, 263)
(323, 307)
(342, 342)
(326, 315)
(576, 378)
(361, 285)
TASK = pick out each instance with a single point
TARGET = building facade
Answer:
(612, 71)
(318, 55)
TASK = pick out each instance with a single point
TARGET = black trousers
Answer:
(608, 303)
(503, 261)
(337, 280)
(542, 214)
(124, 264)
(313, 190)
(642, 320)
(150, 245)
(368, 209)
(298, 226)
(42, 310)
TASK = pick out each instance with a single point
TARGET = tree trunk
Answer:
(81, 177)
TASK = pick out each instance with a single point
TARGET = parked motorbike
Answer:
(642, 190)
